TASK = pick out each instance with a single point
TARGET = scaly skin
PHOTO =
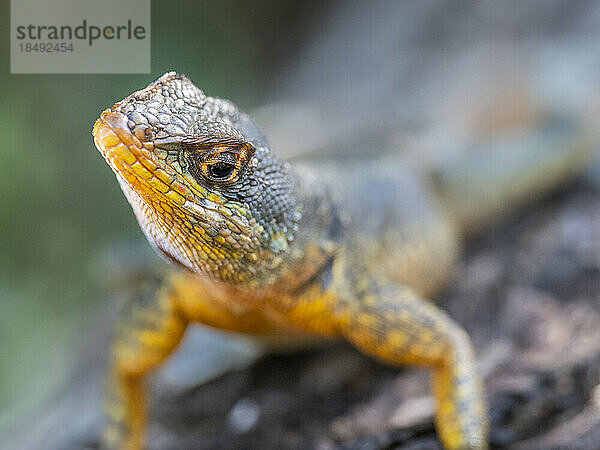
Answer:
(343, 249)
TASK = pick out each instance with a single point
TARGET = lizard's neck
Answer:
(315, 240)
(315, 244)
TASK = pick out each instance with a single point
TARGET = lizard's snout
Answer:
(111, 129)
(131, 159)
(117, 144)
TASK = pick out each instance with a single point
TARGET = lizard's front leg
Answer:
(394, 325)
(149, 329)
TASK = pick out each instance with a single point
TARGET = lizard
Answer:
(350, 248)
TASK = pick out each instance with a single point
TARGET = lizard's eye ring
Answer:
(220, 171)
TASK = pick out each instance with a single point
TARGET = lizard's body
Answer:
(350, 247)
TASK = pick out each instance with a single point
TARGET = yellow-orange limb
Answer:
(149, 329)
(383, 320)
(398, 327)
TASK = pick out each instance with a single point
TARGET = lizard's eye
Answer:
(221, 162)
(220, 171)
(223, 167)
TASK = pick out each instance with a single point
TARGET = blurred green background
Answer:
(59, 203)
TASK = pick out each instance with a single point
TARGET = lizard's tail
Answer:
(509, 171)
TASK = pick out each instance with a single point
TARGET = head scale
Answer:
(206, 188)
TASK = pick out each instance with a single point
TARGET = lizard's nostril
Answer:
(117, 121)
(105, 136)
(114, 119)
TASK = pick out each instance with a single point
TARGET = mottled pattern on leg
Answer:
(396, 326)
(149, 329)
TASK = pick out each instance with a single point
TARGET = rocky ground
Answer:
(528, 291)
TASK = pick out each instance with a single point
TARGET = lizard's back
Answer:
(394, 226)
(405, 224)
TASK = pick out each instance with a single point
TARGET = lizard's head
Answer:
(205, 187)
